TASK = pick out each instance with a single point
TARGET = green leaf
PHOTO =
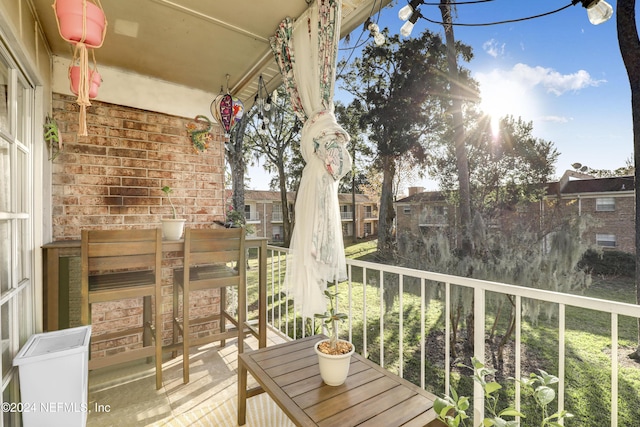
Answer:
(439, 404)
(511, 412)
(492, 387)
(545, 395)
(463, 403)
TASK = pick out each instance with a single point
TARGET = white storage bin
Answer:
(54, 374)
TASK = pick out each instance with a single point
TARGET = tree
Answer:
(630, 50)
(350, 120)
(504, 170)
(275, 135)
(403, 91)
(625, 170)
(237, 158)
(457, 121)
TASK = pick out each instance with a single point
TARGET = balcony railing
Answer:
(405, 345)
(252, 216)
(346, 215)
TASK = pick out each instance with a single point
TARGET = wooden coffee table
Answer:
(371, 396)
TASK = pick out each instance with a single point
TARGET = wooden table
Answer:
(53, 253)
(371, 396)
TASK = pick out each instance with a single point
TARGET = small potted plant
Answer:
(334, 355)
(172, 228)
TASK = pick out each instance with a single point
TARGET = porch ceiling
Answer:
(197, 43)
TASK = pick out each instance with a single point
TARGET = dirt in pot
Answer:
(342, 347)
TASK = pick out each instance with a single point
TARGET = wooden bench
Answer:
(371, 395)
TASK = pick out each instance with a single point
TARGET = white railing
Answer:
(346, 215)
(373, 273)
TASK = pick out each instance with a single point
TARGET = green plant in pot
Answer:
(334, 354)
(172, 228)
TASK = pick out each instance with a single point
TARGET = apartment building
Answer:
(609, 201)
(263, 210)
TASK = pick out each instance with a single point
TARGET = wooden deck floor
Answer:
(126, 395)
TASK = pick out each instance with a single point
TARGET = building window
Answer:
(367, 229)
(345, 212)
(406, 210)
(605, 204)
(606, 240)
(276, 212)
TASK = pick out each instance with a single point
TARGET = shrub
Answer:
(609, 263)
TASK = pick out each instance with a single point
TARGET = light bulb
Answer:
(599, 12)
(405, 12)
(379, 39)
(406, 29)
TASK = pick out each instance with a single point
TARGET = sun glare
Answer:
(502, 98)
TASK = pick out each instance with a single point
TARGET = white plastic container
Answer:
(54, 375)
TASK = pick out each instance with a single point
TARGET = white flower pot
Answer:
(334, 369)
(172, 228)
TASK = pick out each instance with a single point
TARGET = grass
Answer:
(588, 343)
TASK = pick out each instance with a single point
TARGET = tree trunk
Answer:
(630, 51)
(462, 161)
(235, 157)
(286, 220)
(386, 214)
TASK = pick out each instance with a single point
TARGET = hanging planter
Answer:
(94, 81)
(85, 85)
(81, 21)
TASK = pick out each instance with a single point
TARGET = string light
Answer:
(598, 11)
(372, 27)
(263, 102)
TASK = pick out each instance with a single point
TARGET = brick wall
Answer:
(112, 179)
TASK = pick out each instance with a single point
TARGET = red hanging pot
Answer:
(94, 81)
(81, 21)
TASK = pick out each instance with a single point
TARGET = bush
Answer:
(609, 263)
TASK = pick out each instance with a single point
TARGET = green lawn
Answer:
(588, 344)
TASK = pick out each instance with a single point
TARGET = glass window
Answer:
(5, 326)
(25, 310)
(21, 100)
(606, 240)
(407, 210)
(5, 176)
(22, 195)
(23, 254)
(5, 256)
(605, 204)
(367, 229)
(4, 97)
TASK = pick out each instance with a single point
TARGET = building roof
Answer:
(426, 196)
(564, 187)
(595, 185)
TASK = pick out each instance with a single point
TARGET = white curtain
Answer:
(306, 52)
